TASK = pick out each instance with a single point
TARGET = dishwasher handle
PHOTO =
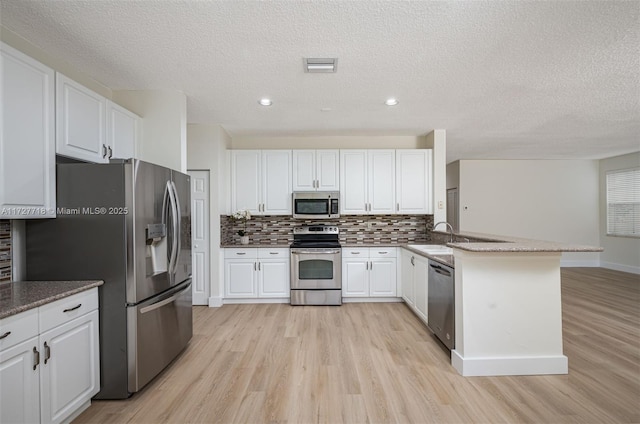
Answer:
(440, 270)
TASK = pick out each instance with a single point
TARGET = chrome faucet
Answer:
(450, 229)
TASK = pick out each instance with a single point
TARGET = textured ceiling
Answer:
(506, 79)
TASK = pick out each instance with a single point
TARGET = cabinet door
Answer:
(70, 373)
(80, 122)
(407, 271)
(276, 182)
(27, 139)
(304, 170)
(245, 180)
(240, 278)
(353, 182)
(122, 131)
(327, 170)
(381, 173)
(382, 277)
(413, 185)
(420, 281)
(273, 278)
(19, 384)
(355, 277)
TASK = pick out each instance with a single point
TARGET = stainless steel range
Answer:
(316, 266)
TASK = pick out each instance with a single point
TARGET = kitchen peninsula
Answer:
(508, 315)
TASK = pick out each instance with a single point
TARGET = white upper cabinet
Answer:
(367, 182)
(261, 181)
(91, 128)
(316, 170)
(27, 142)
(81, 122)
(414, 182)
(123, 131)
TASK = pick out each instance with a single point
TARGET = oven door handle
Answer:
(316, 252)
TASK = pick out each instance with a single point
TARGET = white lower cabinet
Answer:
(369, 272)
(256, 273)
(415, 276)
(49, 360)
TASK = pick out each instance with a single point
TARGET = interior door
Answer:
(200, 236)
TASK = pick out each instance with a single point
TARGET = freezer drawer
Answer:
(158, 330)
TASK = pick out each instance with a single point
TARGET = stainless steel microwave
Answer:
(316, 204)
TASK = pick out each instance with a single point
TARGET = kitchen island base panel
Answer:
(508, 314)
(501, 366)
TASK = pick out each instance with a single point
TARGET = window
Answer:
(623, 202)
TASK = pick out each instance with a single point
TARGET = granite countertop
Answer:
(19, 296)
(495, 243)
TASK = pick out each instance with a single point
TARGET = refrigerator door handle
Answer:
(174, 224)
(163, 302)
(177, 229)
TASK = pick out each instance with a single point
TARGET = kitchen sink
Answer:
(433, 249)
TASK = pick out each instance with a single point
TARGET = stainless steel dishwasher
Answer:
(441, 303)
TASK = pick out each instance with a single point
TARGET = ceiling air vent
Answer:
(312, 64)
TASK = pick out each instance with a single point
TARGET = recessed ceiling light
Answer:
(265, 102)
(391, 102)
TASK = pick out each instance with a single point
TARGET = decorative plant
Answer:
(242, 216)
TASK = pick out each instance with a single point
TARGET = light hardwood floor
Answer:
(375, 362)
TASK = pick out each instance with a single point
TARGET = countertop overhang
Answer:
(20, 296)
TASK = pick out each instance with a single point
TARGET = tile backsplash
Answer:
(5, 250)
(354, 229)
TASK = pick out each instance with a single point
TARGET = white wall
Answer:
(164, 125)
(621, 253)
(207, 150)
(554, 200)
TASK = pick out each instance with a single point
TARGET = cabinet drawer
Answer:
(17, 328)
(273, 253)
(240, 253)
(382, 252)
(63, 310)
(351, 252)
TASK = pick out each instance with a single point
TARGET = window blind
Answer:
(623, 202)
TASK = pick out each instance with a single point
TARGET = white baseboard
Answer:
(574, 264)
(495, 366)
(215, 302)
(620, 267)
(371, 299)
(254, 300)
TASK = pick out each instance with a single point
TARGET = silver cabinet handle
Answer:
(366, 265)
(371, 265)
(5, 335)
(258, 266)
(47, 352)
(36, 358)
(104, 151)
(382, 253)
(413, 261)
(255, 266)
(110, 152)
(397, 207)
(241, 253)
(355, 253)
(273, 253)
(73, 309)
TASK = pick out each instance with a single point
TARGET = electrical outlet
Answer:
(369, 225)
(440, 204)
(264, 227)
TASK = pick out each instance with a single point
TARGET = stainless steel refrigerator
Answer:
(128, 224)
